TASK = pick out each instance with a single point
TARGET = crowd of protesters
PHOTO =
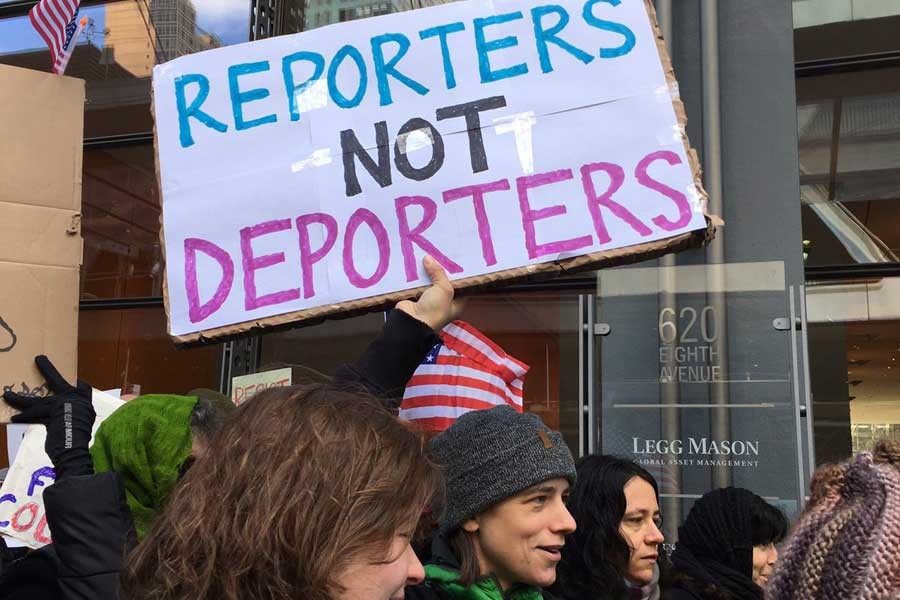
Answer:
(319, 492)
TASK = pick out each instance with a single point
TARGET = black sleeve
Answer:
(92, 530)
(390, 360)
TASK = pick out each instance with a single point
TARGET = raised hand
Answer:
(436, 306)
(68, 414)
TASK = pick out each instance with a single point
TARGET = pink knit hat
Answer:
(847, 542)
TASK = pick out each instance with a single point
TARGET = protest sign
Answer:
(22, 515)
(244, 386)
(307, 175)
(40, 200)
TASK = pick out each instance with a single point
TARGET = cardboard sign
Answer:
(306, 175)
(22, 515)
(244, 386)
(40, 200)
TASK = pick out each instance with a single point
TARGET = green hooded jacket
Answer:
(487, 588)
(442, 581)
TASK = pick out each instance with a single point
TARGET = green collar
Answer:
(484, 589)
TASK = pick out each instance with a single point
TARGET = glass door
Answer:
(697, 380)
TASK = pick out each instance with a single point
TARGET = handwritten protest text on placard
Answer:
(22, 515)
(317, 169)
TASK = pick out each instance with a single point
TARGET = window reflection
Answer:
(118, 50)
(120, 224)
(849, 150)
(301, 15)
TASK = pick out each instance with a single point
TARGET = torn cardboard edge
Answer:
(548, 270)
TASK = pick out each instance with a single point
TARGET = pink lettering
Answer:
(477, 193)
(196, 311)
(308, 257)
(616, 176)
(363, 215)
(17, 524)
(40, 529)
(529, 215)
(408, 236)
(253, 263)
(684, 208)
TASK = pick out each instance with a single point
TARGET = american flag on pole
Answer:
(55, 21)
(466, 372)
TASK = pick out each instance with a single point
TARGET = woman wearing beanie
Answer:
(506, 521)
(614, 553)
(847, 542)
(726, 547)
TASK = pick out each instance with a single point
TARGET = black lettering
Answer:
(471, 110)
(10, 342)
(437, 150)
(351, 148)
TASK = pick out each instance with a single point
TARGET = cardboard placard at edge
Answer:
(548, 270)
(64, 358)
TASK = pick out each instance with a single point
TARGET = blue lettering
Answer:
(185, 112)
(333, 91)
(6, 498)
(482, 46)
(239, 98)
(384, 69)
(627, 46)
(442, 31)
(545, 36)
(47, 472)
(293, 90)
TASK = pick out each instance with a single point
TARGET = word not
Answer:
(598, 202)
(703, 446)
(386, 51)
(27, 515)
(381, 170)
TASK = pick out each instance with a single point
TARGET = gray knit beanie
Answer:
(490, 455)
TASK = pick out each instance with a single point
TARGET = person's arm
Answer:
(409, 333)
(88, 516)
(92, 530)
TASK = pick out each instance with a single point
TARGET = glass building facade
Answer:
(748, 362)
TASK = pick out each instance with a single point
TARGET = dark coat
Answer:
(388, 363)
(92, 528)
(89, 518)
(688, 589)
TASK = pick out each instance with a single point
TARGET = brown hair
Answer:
(463, 547)
(298, 483)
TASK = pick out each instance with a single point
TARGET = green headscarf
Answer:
(145, 441)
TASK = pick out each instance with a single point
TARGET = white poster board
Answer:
(22, 515)
(302, 174)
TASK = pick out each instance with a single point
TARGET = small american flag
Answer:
(55, 21)
(466, 372)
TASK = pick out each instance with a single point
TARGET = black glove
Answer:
(68, 416)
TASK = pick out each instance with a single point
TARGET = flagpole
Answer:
(63, 61)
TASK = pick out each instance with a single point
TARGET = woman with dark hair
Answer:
(306, 492)
(726, 547)
(614, 552)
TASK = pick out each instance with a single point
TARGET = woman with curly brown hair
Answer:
(307, 492)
